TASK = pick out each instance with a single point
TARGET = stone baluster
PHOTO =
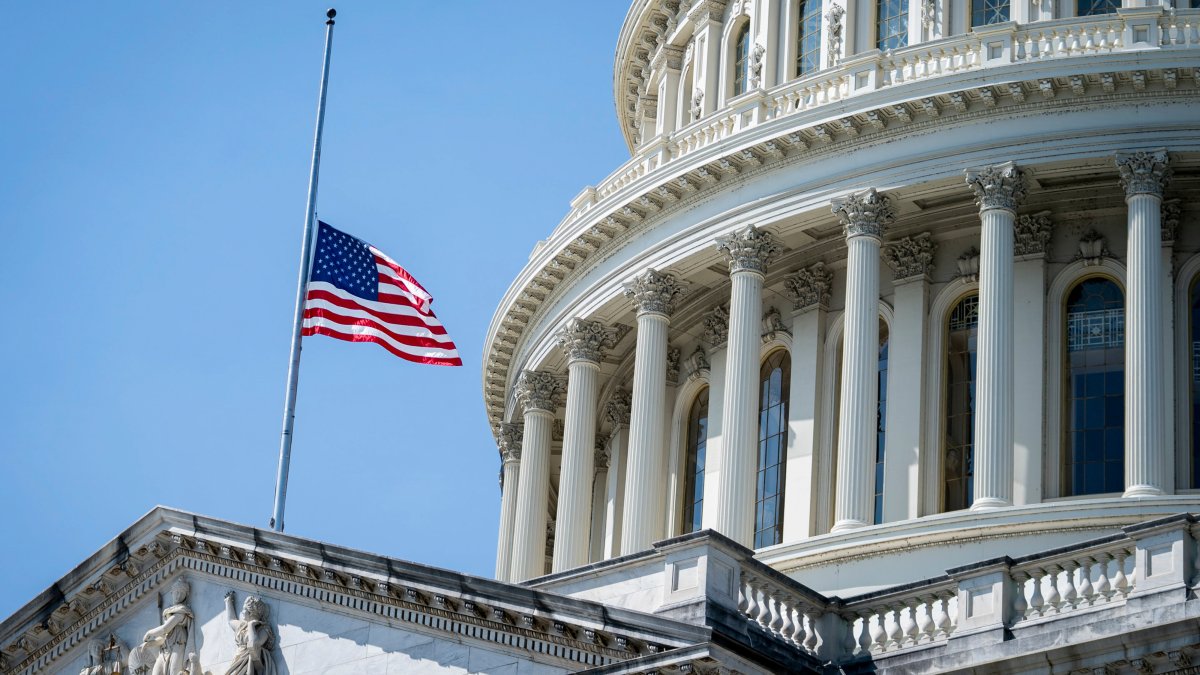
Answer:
(1020, 603)
(538, 394)
(1037, 602)
(654, 295)
(787, 626)
(864, 217)
(1144, 175)
(764, 605)
(584, 343)
(1070, 594)
(812, 638)
(745, 596)
(998, 191)
(1120, 581)
(1103, 587)
(747, 253)
(925, 627)
(894, 627)
(777, 610)
(908, 622)
(865, 639)
(1053, 597)
(1087, 592)
(878, 630)
(510, 453)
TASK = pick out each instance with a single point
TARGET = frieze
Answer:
(911, 257)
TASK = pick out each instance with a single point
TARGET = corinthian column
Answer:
(1144, 175)
(584, 342)
(654, 295)
(538, 395)
(747, 252)
(864, 216)
(510, 453)
(998, 190)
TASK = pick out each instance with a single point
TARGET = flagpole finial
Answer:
(331, 12)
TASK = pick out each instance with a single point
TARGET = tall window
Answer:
(1095, 386)
(891, 24)
(1194, 344)
(959, 451)
(1091, 7)
(772, 448)
(881, 420)
(741, 59)
(808, 52)
(697, 441)
(984, 12)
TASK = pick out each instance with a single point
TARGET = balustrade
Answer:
(1087, 578)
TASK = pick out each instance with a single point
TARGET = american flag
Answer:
(357, 293)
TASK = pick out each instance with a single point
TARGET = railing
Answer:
(1072, 581)
(910, 618)
(783, 608)
(1038, 41)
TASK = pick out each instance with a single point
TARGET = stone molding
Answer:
(1000, 186)
(602, 455)
(968, 264)
(749, 250)
(673, 355)
(698, 365)
(1032, 233)
(911, 257)
(510, 441)
(864, 214)
(654, 292)
(1144, 172)
(716, 327)
(619, 407)
(539, 390)
(773, 325)
(809, 286)
(1172, 213)
(586, 340)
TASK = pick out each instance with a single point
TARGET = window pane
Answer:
(881, 421)
(958, 453)
(740, 60)
(697, 440)
(984, 12)
(1194, 341)
(1094, 411)
(891, 24)
(772, 445)
(809, 52)
(1092, 7)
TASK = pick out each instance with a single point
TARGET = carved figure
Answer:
(164, 649)
(104, 656)
(834, 20)
(756, 64)
(253, 638)
(697, 103)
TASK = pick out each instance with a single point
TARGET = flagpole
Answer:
(289, 405)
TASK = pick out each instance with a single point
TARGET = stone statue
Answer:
(104, 656)
(164, 649)
(253, 638)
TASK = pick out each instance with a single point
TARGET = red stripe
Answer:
(395, 319)
(410, 340)
(433, 361)
(400, 271)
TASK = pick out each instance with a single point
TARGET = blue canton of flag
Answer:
(346, 262)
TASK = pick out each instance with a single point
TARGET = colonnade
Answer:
(638, 465)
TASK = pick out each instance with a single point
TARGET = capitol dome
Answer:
(885, 288)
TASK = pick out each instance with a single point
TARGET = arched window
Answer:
(881, 420)
(808, 47)
(1094, 461)
(697, 441)
(984, 12)
(772, 448)
(1194, 351)
(1092, 7)
(891, 24)
(958, 452)
(741, 59)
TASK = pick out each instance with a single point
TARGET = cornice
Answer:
(647, 198)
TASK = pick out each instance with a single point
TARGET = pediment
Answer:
(322, 609)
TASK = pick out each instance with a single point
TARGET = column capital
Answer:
(510, 441)
(1144, 172)
(1031, 234)
(602, 456)
(1001, 186)
(716, 327)
(619, 407)
(911, 257)
(539, 390)
(586, 340)
(748, 250)
(809, 286)
(864, 214)
(1171, 213)
(654, 292)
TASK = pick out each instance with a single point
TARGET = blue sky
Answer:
(151, 198)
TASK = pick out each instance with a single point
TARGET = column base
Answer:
(847, 525)
(989, 503)
(1142, 491)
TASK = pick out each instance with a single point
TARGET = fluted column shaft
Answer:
(747, 252)
(1145, 176)
(643, 472)
(575, 477)
(859, 400)
(653, 295)
(865, 216)
(529, 535)
(998, 190)
(994, 369)
(511, 453)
